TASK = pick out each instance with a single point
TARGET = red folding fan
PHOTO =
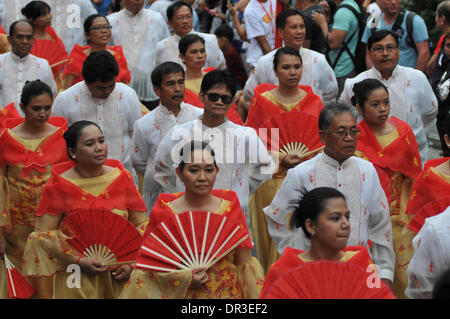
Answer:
(103, 236)
(18, 286)
(327, 280)
(190, 240)
(298, 132)
(429, 210)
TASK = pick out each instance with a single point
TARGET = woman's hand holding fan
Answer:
(92, 266)
(199, 277)
(123, 272)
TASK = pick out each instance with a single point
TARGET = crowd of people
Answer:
(303, 124)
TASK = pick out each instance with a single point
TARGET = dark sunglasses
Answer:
(213, 97)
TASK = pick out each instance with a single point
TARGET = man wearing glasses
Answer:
(242, 158)
(411, 96)
(355, 177)
(138, 31)
(180, 17)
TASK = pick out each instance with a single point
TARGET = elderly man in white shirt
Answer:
(411, 97)
(355, 177)
(19, 66)
(138, 31)
(168, 83)
(180, 16)
(431, 256)
(316, 71)
(67, 17)
(242, 158)
(113, 106)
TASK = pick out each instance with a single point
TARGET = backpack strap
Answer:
(346, 43)
(409, 30)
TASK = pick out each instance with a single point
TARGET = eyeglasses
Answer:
(101, 28)
(380, 49)
(182, 18)
(213, 97)
(353, 132)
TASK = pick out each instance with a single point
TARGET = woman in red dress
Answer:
(270, 99)
(97, 31)
(323, 216)
(47, 45)
(389, 144)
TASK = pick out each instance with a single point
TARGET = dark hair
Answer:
(224, 31)
(90, 20)
(189, 148)
(164, 69)
(73, 133)
(443, 10)
(312, 205)
(32, 89)
(12, 27)
(331, 110)
(175, 6)
(100, 65)
(35, 9)
(446, 122)
(219, 77)
(363, 89)
(285, 14)
(441, 289)
(379, 35)
(283, 51)
(187, 41)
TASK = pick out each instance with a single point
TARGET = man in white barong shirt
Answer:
(180, 19)
(242, 158)
(113, 106)
(411, 97)
(19, 66)
(431, 256)
(138, 31)
(355, 177)
(67, 17)
(168, 83)
(316, 72)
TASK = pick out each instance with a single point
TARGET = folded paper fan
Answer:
(189, 240)
(103, 236)
(298, 133)
(327, 280)
(18, 286)
(429, 210)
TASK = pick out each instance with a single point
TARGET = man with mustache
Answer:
(355, 177)
(168, 83)
(113, 106)
(411, 96)
(19, 66)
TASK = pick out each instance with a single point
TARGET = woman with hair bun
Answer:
(30, 146)
(389, 144)
(89, 182)
(324, 217)
(47, 44)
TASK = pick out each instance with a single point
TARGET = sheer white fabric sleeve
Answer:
(428, 106)
(426, 264)
(380, 228)
(327, 81)
(279, 211)
(140, 149)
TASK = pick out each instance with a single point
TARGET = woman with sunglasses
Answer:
(193, 55)
(270, 99)
(47, 44)
(390, 145)
(97, 31)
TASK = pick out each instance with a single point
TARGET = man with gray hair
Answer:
(355, 177)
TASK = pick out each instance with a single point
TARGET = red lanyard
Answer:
(267, 13)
